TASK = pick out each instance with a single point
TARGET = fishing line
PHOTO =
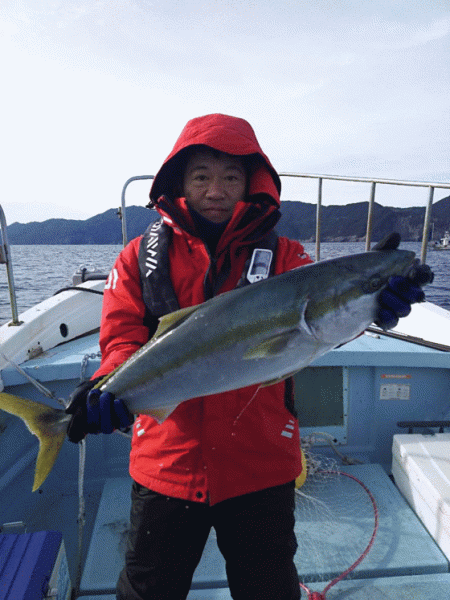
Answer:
(81, 514)
(329, 439)
(44, 390)
(247, 405)
(338, 519)
(322, 595)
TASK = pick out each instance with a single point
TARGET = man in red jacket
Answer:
(228, 463)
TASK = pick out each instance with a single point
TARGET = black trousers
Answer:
(255, 534)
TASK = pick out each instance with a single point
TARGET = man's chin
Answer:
(215, 216)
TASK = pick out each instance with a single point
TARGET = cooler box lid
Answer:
(425, 460)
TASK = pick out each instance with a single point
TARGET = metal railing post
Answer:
(122, 211)
(318, 218)
(6, 259)
(370, 216)
(426, 226)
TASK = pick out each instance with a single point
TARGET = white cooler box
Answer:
(421, 469)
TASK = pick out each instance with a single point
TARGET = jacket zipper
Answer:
(210, 276)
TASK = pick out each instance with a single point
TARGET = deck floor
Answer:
(418, 587)
(402, 556)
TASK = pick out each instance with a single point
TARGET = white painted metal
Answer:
(56, 320)
(421, 471)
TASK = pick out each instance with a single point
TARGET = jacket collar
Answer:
(251, 221)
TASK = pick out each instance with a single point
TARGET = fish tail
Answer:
(48, 424)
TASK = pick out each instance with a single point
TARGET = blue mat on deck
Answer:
(402, 547)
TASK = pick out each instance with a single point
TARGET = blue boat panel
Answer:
(419, 587)
(414, 587)
(367, 350)
(26, 564)
(103, 597)
(402, 547)
(373, 414)
(17, 449)
(106, 554)
(61, 362)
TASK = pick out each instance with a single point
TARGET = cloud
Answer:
(399, 35)
(99, 90)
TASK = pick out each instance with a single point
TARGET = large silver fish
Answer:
(257, 334)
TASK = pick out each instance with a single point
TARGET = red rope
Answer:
(322, 596)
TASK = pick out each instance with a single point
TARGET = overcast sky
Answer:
(96, 91)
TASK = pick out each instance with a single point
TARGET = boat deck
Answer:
(404, 562)
(420, 587)
(403, 557)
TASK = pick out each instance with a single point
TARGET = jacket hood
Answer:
(226, 134)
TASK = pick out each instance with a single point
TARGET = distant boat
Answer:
(443, 243)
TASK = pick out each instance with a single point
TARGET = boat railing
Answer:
(373, 182)
(122, 211)
(5, 255)
(5, 259)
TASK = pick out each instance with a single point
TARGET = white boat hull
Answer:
(61, 318)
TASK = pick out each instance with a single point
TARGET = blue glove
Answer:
(105, 413)
(394, 301)
(95, 412)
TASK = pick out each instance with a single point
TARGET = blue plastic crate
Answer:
(33, 565)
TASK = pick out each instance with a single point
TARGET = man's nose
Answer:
(215, 188)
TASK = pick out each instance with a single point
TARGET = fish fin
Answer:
(273, 381)
(159, 414)
(48, 424)
(106, 378)
(389, 242)
(277, 380)
(271, 347)
(166, 323)
(171, 320)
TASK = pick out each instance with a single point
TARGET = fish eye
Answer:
(373, 284)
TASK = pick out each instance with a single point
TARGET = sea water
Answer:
(41, 270)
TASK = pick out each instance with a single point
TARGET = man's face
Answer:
(213, 185)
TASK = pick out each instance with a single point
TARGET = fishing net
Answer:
(336, 524)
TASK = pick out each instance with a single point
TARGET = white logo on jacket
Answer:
(152, 248)
(111, 282)
(289, 429)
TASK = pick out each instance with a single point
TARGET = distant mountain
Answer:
(105, 228)
(339, 223)
(348, 223)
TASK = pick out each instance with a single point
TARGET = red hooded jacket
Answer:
(239, 441)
